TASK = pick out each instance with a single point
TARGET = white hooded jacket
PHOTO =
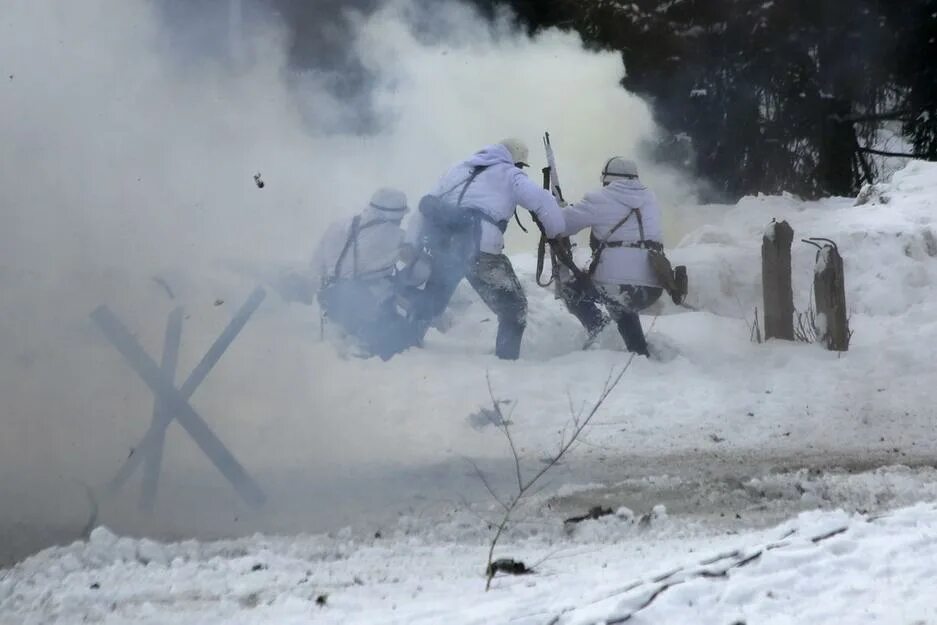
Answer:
(602, 210)
(371, 255)
(496, 191)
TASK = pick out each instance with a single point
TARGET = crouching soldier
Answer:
(625, 222)
(460, 228)
(355, 267)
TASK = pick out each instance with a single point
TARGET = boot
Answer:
(629, 326)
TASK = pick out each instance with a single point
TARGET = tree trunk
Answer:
(776, 281)
(835, 164)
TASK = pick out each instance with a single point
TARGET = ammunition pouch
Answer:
(674, 280)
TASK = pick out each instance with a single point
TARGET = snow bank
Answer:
(888, 240)
(821, 568)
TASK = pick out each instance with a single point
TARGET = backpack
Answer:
(449, 221)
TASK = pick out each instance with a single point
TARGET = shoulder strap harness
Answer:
(352, 242)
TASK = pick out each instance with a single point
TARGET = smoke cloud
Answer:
(131, 133)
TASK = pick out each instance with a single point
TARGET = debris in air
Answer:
(258, 181)
(219, 302)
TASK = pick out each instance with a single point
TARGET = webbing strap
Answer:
(500, 225)
(352, 239)
(640, 223)
(541, 255)
(469, 181)
(518, 220)
(643, 245)
(597, 252)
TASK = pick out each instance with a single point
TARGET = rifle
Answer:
(550, 183)
(561, 248)
(554, 175)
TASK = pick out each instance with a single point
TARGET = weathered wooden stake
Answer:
(829, 292)
(776, 281)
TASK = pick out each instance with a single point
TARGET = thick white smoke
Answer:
(125, 158)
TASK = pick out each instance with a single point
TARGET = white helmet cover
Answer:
(518, 150)
(618, 167)
(391, 201)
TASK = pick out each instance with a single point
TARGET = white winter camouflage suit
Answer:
(374, 256)
(624, 276)
(496, 192)
(357, 289)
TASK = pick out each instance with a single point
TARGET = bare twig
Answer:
(755, 329)
(503, 424)
(580, 421)
(524, 487)
(806, 330)
(887, 153)
(899, 115)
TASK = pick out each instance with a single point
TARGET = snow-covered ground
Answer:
(821, 567)
(731, 437)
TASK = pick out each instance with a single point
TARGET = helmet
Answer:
(518, 150)
(618, 167)
(390, 201)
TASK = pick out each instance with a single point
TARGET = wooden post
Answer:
(829, 292)
(776, 281)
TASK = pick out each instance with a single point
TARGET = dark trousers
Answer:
(623, 303)
(432, 300)
(493, 278)
(582, 307)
